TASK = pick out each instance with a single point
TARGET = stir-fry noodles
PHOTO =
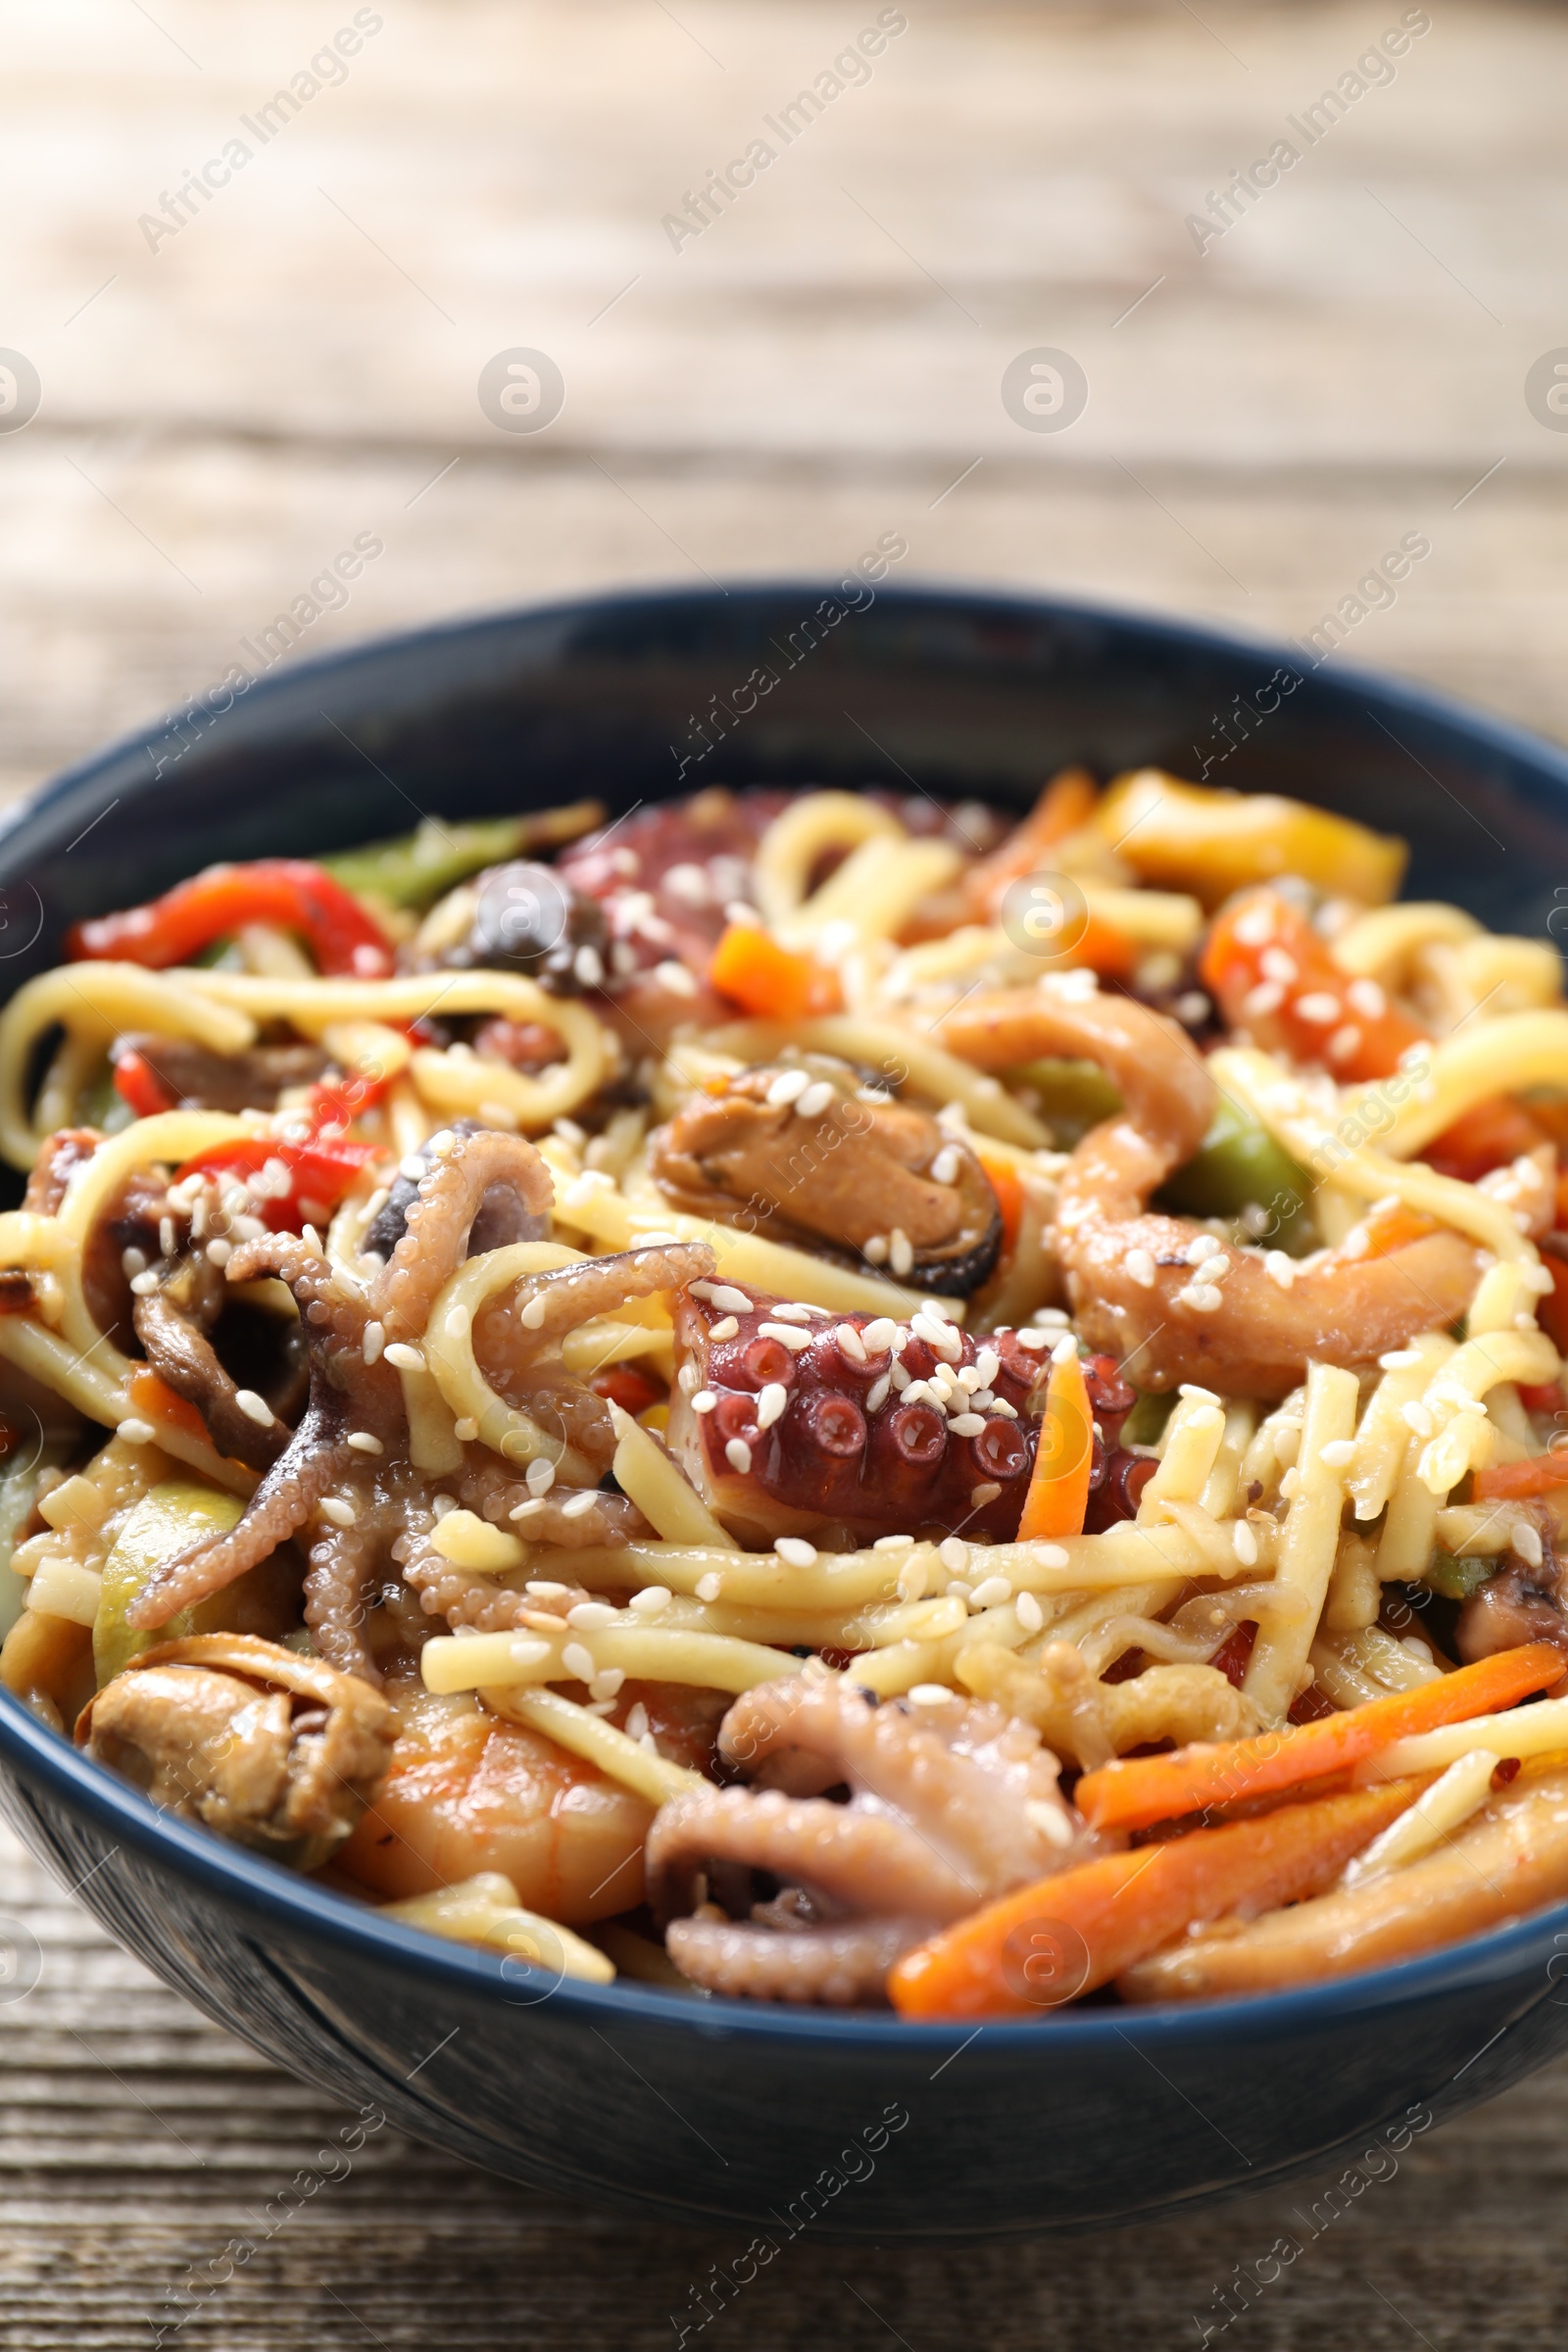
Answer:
(809, 1396)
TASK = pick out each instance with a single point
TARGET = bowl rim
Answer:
(312, 1911)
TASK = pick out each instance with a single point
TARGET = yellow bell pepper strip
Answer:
(1058, 1489)
(169, 1519)
(1196, 837)
(1061, 1937)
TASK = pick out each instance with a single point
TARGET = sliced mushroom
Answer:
(517, 917)
(173, 1324)
(804, 1154)
(278, 1752)
(200, 1080)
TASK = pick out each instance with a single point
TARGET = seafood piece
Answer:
(277, 1751)
(198, 1079)
(789, 1420)
(504, 1215)
(348, 1398)
(1131, 1275)
(173, 1324)
(1088, 1721)
(949, 1805)
(1522, 1602)
(798, 1153)
(467, 1792)
(1504, 1863)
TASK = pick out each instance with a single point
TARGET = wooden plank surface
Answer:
(223, 410)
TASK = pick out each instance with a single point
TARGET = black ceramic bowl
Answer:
(861, 2125)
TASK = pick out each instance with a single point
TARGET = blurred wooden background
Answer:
(221, 409)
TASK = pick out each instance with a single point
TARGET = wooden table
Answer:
(225, 408)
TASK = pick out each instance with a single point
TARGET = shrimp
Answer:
(467, 1792)
(1162, 1294)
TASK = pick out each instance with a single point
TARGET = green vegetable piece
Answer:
(417, 869)
(1074, 1095)
(1236, 1166)
(1457, 1579)
(1144, 1425)
(168, 1520)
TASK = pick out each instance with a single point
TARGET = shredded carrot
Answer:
(771, 982)
(1061, 1937)
(1394, 1228)
(1103, 947)
(160, 1402)
(1490, 1136)
(1515, 1481)
(1066, 803)
(1138, 1790)
(1009, 1200)
(1058, 1490)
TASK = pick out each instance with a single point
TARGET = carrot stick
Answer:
(1061, 1937)
(771, 982)
(1058, 1490)
(1009, 1200)
(1066, 803)
(1516, 1480)
(1137, 1790)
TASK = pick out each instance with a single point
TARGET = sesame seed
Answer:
(850, 1342)
(527, 1510)
(1031, 1616)
(877, 1336)
(793, 1312)
(374, 1341)
(738, 1454)
(725, 1330)
(1202, 1297)
(728, 1299)
(992, 1594)
(796, 1553)
(579, 1662)
(979, 1496)
(1415, 1416)
(1399, 1360)
(876, 1397)
(770, 1404)
(1526, 1542)
(540, 1477)
(577, 1505)
(1255, 926)
(930, 1694)
(1367, 998)
(815, 1100)
(1244, 1543)
(787, 1088)
(532, 1313)
(901, 1253)
(652, 1601)
(710, 1585)
(893, 1542)
(1139, 1266)
(1343, 1043)
(968, 1425)
(1318, 1007)
(403, 1357)
(874, 1251)
(144, 1285)
(944, 1167)
(465, 1431)
(789, 1333)
(704, 1401)
(1278, 1269)
(336, 1512)
(137, 1433)
(1259, 1002)
(1275, 963)
(1337, 1454)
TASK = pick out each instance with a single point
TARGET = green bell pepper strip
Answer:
(1236, 1166)
(1457, 1579)
(416, 869)
(1072, 1096)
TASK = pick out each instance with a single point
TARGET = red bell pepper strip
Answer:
(288, 892)
(312, 1145)
(1273, 975)
(137, 1083)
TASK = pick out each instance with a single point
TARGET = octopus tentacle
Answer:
(465, 1598)
(1129, 1271)
(859, 1861)
(840, 1964)
(949, 1807)
(438, 1224)
(347, 1397)
(343, 1560)
(483, 1486)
